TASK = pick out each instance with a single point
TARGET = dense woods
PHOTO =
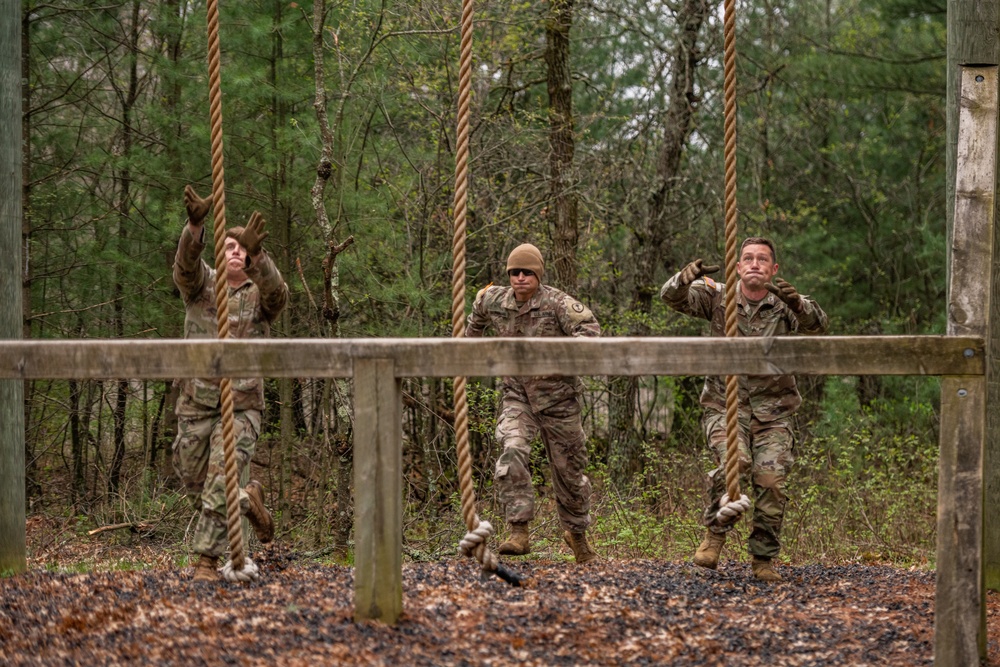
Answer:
(596, 135)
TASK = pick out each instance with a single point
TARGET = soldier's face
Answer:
(756, 266)
(524, 282)
(236, 257)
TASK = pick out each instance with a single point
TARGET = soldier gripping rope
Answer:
(767, 403)
(533, 406)
(257, 294)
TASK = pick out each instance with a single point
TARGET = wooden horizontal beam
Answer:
(446, 357)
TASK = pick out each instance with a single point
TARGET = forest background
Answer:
(596, 134)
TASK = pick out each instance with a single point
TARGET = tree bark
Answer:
(652, 230)
(562, 209)
(77, 443)
(331, 281)
(124, 204)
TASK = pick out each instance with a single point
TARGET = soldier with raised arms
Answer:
(766, 306)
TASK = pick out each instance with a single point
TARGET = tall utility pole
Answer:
(12, 512)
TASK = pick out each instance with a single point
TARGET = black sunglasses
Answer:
(528, 273)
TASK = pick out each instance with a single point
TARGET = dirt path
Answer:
(617, 613)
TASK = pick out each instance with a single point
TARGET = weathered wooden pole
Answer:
(959, 614)
(378, 491)
(972, 41)
(12, 513)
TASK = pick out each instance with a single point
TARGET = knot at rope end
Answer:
(730, 511)
(474, 544)
(250, 572)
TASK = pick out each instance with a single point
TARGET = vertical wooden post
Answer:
(378, 491)
(991, 454)
(13, 552)
(959, 634)
(959, 615)
(972, 41)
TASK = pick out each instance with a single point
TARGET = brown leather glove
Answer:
(695, 270)
(786, 293)
(197, 208)
(253, 235)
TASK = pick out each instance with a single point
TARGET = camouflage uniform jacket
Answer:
(252, 307)
(548, 313)
(766, 397)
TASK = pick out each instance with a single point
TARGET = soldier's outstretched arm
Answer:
(190, 272)
(684, 293)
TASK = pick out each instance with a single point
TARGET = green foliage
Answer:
(865, 486)
(841, 159)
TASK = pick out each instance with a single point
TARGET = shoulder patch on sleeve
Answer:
(711, 283)
(576, 310)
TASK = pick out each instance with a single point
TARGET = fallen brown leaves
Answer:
(614, 613)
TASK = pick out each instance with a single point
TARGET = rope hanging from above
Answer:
(475, 541)
(239, 567)
(733, 503)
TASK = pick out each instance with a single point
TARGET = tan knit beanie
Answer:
(527, 256)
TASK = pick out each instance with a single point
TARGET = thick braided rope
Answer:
(732, 329)
(222, 292)
(474, 542)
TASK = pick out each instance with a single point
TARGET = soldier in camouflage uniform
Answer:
(533, 406)
(257, 294)
(766, 402)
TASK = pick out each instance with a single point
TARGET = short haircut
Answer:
(760, 240)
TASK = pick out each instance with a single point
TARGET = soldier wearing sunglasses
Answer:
(533, 407)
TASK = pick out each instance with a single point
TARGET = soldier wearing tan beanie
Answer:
(526, 256)
(533, 407)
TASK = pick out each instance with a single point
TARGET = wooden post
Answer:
(959, 615)
(378, 491)
(13, 552)
(959, 633)
(972, 41)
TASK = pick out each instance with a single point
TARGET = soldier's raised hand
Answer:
(197, 208)
(784, 291)
(695, 270)
(253, 235)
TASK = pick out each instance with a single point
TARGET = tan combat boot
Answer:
(708, 551)
(764, 570)
(207, 569)
(581, 548)
(260, 518)
(519, 542)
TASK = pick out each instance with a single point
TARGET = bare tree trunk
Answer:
(345, 505)
(331, 282)
(24, 251)
(562, 209)
(156, 432)
(124, 204)
(624, 454)
(677, 124)
(13, 537)
(652, 230)
(77, 444)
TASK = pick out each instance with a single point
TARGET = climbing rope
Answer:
(733, 503)
(239, 567)
(475, 541)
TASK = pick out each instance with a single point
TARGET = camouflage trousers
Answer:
(766, 455)
(561, 430)
(199, 460)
